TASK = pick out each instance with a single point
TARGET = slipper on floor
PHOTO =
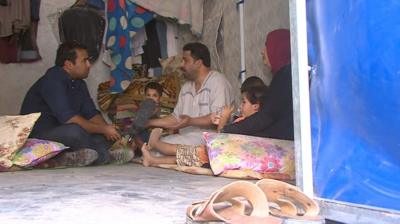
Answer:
(228, 204)
(288, 201)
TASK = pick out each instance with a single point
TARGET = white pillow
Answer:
(14, 131)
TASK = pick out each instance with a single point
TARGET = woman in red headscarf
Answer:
(275, 118)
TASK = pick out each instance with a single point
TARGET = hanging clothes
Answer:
(4, 2)
(85, 25)
(15, 17)
(18, 31)
(162, 38)
(8, 49)
(138, 41)
(184, 11)
(172, 38)
(99, 4)
(124, 20)
(151, 49)
(29, 51)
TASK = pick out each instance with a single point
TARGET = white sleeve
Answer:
(179, 105)
(221, 94)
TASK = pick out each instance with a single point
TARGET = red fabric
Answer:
(8, 50)
(278, 49)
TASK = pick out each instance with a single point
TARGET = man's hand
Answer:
(184, 121)
(111, 133)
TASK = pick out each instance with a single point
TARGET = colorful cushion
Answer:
(37, 150)
(14, 130)
(242, 152)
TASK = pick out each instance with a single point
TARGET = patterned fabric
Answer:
(124, 20)
(171, 80)
(14, 130)
(191, 155)
(262, 155)
(35, 151)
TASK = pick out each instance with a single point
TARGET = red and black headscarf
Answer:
(278, 49)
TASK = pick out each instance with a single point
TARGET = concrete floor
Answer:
(113, 194)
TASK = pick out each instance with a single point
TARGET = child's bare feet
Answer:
(155, 137)
(146, 155)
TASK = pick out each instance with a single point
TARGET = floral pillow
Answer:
(37, 150)
(14, 130)
(242, 152)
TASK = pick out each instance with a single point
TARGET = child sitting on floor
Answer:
(191, 155)
(134, 130)
(153, 91)
(251, 102)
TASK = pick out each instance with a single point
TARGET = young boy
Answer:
(196, 155)
(154, 90)
(134, 131)
(251, 102)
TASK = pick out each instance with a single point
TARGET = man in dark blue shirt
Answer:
(68, 113)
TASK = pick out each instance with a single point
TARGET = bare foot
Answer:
(146, 155)
(155, 137)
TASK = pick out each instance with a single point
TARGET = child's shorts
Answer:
(192, 155)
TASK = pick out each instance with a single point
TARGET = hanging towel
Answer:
(172, 38)
(15, 17)
(185, 11)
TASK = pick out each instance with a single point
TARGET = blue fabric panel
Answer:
(124, 19)
(354, 50)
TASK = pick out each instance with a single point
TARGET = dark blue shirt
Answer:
(58, 98)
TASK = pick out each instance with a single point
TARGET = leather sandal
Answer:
(238, 202)
(288, 201)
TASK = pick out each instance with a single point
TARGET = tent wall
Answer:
(353, 49)
(261, 16)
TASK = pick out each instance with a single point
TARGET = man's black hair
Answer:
(154, 85)
(67, 52)
(199, 51)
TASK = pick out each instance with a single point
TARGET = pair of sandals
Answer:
(267, 201)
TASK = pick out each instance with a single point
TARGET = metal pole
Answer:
(301, 101)
(240, 4)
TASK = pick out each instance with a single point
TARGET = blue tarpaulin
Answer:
(354, 50)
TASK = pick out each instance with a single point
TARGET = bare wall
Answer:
(261, 16)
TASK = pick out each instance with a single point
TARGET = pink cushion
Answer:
(242, 152)
(35, 151)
